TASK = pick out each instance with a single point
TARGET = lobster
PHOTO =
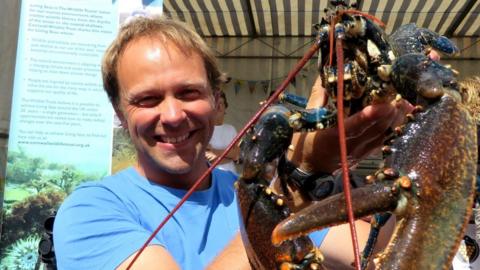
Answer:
(429, 170)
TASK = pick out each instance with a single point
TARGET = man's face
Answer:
(167, 104)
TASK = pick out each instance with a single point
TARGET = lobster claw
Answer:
(445, 45)
(412, 39)
(272, 129)
(426, 77)
(431, 192)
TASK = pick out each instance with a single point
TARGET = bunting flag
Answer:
(251, 86)
(237, 86)
(265, 85)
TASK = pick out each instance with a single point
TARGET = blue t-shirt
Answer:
(103, 223)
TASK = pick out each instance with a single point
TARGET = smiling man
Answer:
(163, 82)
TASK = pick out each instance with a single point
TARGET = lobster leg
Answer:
(331, 211)
(378, 221)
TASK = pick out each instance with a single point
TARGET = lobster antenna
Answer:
(343, 152)
(342, 8)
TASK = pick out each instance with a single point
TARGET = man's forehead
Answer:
(164, 43)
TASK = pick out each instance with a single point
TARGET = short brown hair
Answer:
(160, 26)
(222, 95)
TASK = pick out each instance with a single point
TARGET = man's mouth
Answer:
(173, 140)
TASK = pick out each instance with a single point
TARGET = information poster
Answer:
(61, 131)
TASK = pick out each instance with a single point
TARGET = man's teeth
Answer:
(174, 139)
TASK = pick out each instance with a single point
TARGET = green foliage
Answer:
(124, 153)
(69, 178)
(13, 156)
(15, 194)
(23, 169)
(33, 174)
(64, 178)
(122, 144)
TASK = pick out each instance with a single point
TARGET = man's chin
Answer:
(172, 163)
(175, 167)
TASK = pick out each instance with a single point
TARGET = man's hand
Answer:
(319, 151)
(211, 156)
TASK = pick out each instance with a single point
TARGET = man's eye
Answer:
(190, 94)
(147, 101)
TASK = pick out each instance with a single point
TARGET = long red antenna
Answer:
(313, 49)
(341, 126)
(343, 152)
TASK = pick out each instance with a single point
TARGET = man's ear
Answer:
(216, 96)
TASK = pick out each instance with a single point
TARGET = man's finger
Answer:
(362, 121)
(318, 95)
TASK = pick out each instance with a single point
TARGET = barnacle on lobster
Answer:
(428, 176)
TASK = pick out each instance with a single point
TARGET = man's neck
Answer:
(179, 181)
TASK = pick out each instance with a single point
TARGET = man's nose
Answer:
(171, 112)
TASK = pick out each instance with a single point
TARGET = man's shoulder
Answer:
(92, 201)
(225, 177)
(120, 180)
(117, 179)
(103, 217)
(224, 183)
(107, 187)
